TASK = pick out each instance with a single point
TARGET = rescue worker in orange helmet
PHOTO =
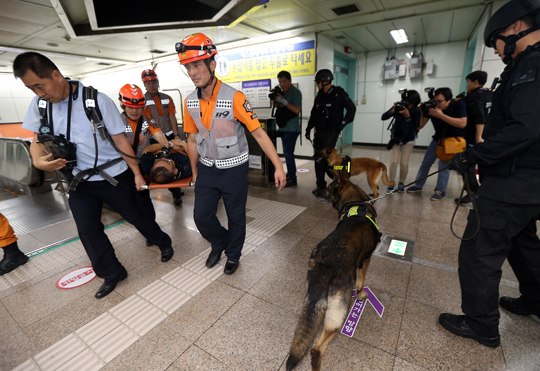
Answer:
(218, 150)
(159, 106)
(139, 130)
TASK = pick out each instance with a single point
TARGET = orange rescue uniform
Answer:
(7, 235)
(241, 113)
(157, 101)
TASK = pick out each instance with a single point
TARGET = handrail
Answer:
(16, 162)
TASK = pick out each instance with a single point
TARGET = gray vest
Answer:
(130, 135)
(164, 121)
(226, 139)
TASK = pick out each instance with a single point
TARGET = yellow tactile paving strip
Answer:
(101, 340)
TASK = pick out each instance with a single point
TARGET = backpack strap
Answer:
(91, 108)
(46, 127)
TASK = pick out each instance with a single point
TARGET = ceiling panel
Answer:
(437, 27)
(310, 2)
(30, 24)
(364, 37)
(325, 10)
(8, 38)
(390, 4)
(28, 12)
(17, 26)
(293, 19)
(273, 7)
(464, 21)
(413, 28)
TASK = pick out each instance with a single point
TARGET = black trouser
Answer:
(323, 139)
(507, 231)
(211, 185)
(86, 203)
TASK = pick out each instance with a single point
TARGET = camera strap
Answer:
(47, 123)
(137, 134)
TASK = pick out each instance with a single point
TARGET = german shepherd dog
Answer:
(337, 265)
(374, 169)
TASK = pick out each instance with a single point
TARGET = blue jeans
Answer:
(429, 159)
(288, 139)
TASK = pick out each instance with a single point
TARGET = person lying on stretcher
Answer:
(165, 165)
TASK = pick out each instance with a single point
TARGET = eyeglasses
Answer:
(440, 101)
(166, 160)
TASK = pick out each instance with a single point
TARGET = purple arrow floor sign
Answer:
(356, 311)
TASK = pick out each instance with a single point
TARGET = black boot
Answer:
(13, 257)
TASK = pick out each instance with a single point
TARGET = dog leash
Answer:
(465, 186)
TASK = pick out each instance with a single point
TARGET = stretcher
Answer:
(186, 182)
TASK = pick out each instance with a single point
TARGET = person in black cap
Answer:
(327, 119)
(508, 200)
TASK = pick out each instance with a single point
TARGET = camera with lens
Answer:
(426, 106)
(394, 139)
(401, 105)
(274, 92)
(60, 147)
(164, 153)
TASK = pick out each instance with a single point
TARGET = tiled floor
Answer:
(181, 316)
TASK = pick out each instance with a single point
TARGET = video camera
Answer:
(426, 106)
(403, 103)
(274, 92)
(60, 147)
(164, 153)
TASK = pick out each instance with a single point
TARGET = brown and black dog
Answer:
(337, 266)
(375, 170)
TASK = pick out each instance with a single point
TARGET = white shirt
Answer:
(81, 130)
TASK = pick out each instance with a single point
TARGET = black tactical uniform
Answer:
(476, 114)
(327, 119)
(509, 199)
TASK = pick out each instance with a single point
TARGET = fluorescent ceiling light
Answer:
(400, 37)
(409, 55)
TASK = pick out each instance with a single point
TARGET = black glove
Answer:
(460, 163)
(308, 133)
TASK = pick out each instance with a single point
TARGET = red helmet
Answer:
(148, 75)
(195, 47)
(132, 96)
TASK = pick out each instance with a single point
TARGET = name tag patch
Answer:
(224, 104)
(192, 103)
(525, 77)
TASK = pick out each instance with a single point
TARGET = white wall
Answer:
(380, 94)
(14, 99)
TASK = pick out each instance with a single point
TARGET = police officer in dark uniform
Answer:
(327, 119)
(509, 198)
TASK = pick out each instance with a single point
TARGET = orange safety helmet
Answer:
(132, 96)
(148, 75)
(195, 47)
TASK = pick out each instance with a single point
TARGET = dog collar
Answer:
(345, 164)
(354, 211)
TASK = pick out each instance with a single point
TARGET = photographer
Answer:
(449, 118)
(108, 179)
(328, 120)
(405, 125)
(290, 100)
